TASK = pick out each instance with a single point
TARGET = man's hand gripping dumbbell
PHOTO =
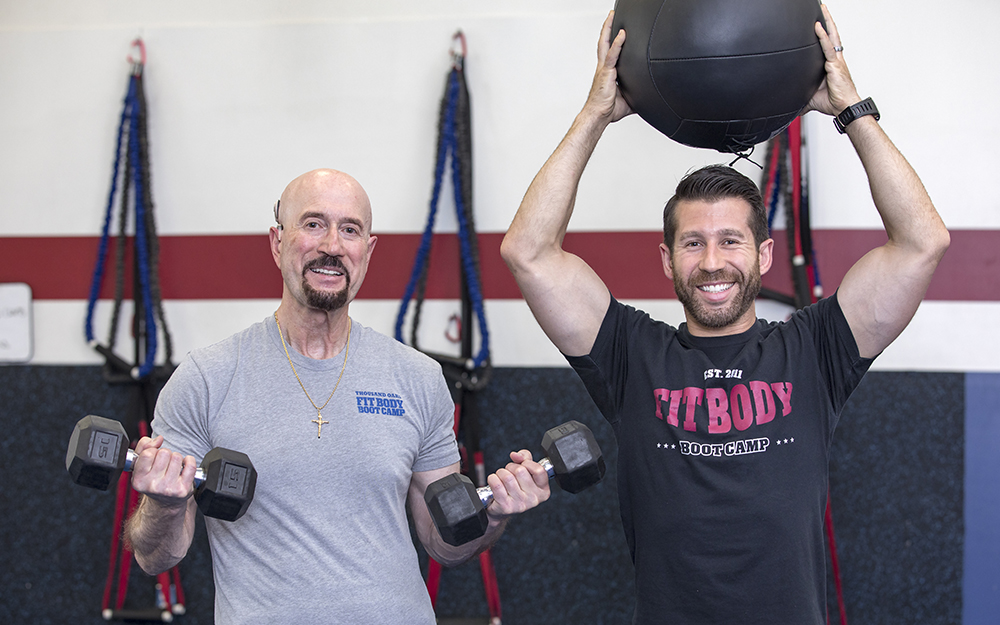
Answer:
(458, 508)
(99, 452)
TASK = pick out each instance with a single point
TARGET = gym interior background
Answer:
(245, 95)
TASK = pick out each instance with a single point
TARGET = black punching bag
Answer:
(719, 74)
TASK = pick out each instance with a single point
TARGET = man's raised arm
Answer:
(567, 298)
(881, 292)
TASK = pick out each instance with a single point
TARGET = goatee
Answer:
(326, 300)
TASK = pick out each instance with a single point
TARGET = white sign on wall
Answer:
(15, 322)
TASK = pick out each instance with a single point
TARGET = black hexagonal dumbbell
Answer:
(458, 508)
(99, 452)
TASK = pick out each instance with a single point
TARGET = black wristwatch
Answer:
(851, 113)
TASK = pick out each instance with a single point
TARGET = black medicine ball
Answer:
(720, 74)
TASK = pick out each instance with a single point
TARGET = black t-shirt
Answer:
(723, 460)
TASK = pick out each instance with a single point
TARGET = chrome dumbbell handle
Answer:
(199, 473)
(486, 493)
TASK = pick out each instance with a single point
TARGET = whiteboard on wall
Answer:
(16, 342)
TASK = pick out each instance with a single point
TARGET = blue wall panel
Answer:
(981, 579)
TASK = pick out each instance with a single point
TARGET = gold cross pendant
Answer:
(319, 423)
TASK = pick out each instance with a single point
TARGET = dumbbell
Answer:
(99, 452)
(458, 508)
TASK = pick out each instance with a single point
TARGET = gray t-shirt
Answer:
(326, 538)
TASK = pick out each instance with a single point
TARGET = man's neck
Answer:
(314, 333)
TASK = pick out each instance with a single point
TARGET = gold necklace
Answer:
(319, 414)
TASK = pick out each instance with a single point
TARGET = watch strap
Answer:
(853, 112)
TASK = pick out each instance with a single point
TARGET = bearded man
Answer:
(724, 424)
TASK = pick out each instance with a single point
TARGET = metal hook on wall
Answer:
(139, 46)
(458, 49)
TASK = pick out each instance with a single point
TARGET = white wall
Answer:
(245, 95)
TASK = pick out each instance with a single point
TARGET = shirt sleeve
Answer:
(837, 351)
(181, 413)
(602, 370)
(439, 448)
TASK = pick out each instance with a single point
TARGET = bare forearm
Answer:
(449, 555)
(565, 295)
(882, 291)
(513, 489)
(541, 220)
(909, 216)
(160, 537)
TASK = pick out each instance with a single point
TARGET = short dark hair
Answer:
(712, 183)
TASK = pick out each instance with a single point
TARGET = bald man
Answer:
(345, 427)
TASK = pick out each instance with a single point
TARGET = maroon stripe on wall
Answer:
(241, 267)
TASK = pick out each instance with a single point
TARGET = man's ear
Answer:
(668, 269)
(274, 239)
(764, 255)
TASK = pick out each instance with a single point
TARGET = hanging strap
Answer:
(132, 136)
(448, 145)
(805, 221)
(772, 195)
(835, 563)
(800, 274)
(131, 166)
(152, 239)
(467, 373)
(418, 278)
(102, 249)
(141, 246)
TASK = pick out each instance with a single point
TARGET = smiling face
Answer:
(324, 242)
(716, 265)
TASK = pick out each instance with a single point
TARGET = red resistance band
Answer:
(835, 563)
(170, 594)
